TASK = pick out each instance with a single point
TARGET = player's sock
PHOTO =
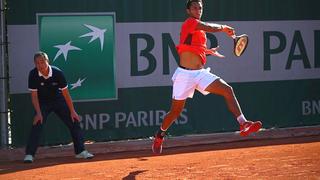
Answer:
(241, 119)
(161, 133)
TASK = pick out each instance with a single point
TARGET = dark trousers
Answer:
(61, 109)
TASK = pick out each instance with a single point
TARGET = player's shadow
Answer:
(132, 175)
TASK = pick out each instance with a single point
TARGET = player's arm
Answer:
(212, 27)
(67, 97)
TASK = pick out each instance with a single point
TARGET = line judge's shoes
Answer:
(250, 127)
(84, 155)
(157, 144)
(28, 159)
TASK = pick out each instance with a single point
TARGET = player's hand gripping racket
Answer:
(240, 42)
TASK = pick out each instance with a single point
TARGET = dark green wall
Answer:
(24, 12)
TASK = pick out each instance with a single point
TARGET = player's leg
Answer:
(184, 85)
(35, 133)
(220, 87)
(175, 110)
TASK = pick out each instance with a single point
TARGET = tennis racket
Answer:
(240, 44)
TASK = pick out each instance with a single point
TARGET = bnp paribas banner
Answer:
(146, 54)
(83, 46)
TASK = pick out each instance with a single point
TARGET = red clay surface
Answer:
(290, 158)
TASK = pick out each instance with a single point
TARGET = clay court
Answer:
(285, 158)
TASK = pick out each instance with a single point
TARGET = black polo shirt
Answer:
(49, 88)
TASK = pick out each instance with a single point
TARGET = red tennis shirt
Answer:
(193, 40)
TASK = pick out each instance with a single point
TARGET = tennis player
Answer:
(191, 74)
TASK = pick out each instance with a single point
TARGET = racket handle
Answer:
(229, 31)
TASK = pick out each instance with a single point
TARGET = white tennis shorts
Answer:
(185, 82)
